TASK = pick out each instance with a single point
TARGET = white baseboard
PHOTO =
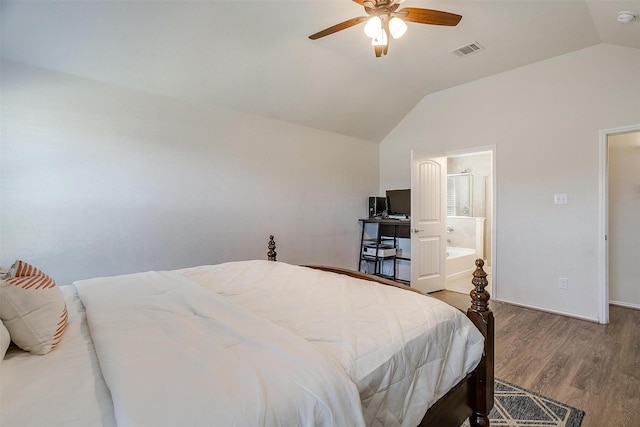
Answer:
(625, 304)
(466, 274)
(461, 282)
(547, 310)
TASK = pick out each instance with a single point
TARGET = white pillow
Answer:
(32, 308)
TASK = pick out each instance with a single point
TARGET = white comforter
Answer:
(176, 354)
(63, 388)
(402, 350)
(168, 358)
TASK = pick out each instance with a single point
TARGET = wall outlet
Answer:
(561, 199)
(563, 283)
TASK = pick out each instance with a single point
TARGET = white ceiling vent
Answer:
(467, 49)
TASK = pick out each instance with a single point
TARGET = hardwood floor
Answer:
(593, 367)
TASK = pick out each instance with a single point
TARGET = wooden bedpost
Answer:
(481, 399)
(271, 255)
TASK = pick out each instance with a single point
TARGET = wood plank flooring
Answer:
(590, 366)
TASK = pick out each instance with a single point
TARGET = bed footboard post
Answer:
(481, 397)
(271, 255)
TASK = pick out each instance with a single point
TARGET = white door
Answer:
(428, 222)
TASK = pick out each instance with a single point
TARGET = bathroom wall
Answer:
(463, 235)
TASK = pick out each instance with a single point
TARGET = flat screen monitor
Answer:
(399, 203)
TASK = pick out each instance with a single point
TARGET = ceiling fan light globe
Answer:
(397, 27)
(373, 26)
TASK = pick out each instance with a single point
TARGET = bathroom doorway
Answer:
(470, 216)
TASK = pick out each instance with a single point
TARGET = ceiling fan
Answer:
(386, 20)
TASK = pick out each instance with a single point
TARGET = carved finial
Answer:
(271, 255)
(479, 296)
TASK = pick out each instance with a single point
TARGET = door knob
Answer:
(415, 230)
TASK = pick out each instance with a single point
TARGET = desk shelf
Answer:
(387, 234)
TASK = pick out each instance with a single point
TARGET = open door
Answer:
(428, 222)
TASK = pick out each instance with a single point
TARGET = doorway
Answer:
(468, 203)
(619, 208)
(470, 213)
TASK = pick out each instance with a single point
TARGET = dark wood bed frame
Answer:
(473, 396)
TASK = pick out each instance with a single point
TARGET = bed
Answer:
(255, 343)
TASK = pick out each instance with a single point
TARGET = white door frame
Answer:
(603, 215)
(494, 211)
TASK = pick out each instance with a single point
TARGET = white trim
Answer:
(460, 275)
(625, 304)
(603, 220)
(547, 310)
(472, 151)
(494, 229)
(603, 226)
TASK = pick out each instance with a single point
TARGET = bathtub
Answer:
(460, 263)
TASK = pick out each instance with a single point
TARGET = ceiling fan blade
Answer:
(378, 50)
(360, 2)
(428, 16)
(338, 27)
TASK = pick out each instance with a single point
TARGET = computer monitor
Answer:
(399, 203)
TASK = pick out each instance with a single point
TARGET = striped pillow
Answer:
(33, 309)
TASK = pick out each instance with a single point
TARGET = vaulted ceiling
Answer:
(255, 56)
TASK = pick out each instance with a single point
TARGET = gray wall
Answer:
(544, 121)
(101, 180)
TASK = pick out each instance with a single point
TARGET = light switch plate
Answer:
(561, 199)
(563, 283)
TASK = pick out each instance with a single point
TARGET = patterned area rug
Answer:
(517, 407)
